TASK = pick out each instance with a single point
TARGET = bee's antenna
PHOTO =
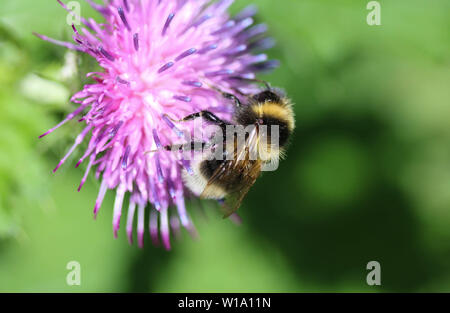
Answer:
(236, 90)
(252, 80)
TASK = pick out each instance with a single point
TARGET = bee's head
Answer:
(269, 110)
(268, 95)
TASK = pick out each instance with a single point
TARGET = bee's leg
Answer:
(193, 145)
(230, 96)
(190, 146)
(207, 115)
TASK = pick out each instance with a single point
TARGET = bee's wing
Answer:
(224, 173)
(250, 173)
(238, 175)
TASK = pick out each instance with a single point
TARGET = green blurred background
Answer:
(367, 175)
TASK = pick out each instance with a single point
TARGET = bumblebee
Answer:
(228, 179)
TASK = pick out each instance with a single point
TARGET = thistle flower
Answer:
(158, 59)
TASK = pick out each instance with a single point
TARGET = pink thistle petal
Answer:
(78, 140)
(68, 118)
(185, 220)
(165, 232)
(130, 218)
(175, 226)
(235, 218)
(59, 43)
(140, 227)
(153, 227)
(118, 209)
(101, 195)
(86, 173)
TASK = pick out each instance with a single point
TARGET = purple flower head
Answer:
(158, 59)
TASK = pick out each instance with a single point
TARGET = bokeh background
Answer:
(367, 175)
